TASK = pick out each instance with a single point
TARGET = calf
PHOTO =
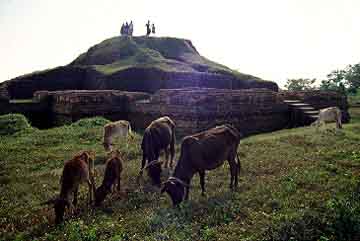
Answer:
(76, 171)
(113, 171)
(159, 135)
(119, 128)
(200, 152)
(327, 115)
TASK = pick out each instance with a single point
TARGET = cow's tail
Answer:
(131, 134)
(238, 164)
(339, 119)
(172, 145)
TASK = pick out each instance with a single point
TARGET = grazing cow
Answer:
(112, 177)
(76, 171)
(119, 128)
(159, 135)
(200, 152)
(327, 115)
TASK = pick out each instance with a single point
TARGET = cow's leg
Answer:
(118, 183)
(91, 186)
(187, 189)
(233, 171)
(202, 182)
(142, 164)
(338, 121)
(167, 157)
(172, 148)
(75, 200)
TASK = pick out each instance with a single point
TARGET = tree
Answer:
(352, 76)
(345, 81)
(300, 84)
(335, 81)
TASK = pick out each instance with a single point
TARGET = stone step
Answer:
(314, 116)
(306, 108)
(300, 104)
(291, 101)
(311, 112)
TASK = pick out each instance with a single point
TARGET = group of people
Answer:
(148, 30)
(127, 29)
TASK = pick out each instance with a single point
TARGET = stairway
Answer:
(301, 113)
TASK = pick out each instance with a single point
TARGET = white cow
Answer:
(327, 115)
(119, 128)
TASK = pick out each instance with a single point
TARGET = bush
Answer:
(91, 122)
(12, 123)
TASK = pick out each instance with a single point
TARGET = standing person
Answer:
(131, 28)
(148, 31)
(153, 28)
(122, 29)
(126, 28)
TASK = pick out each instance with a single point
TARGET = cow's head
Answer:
(175, 190)
(107, 147)
(100, 195)
(154, 172)
(59, 206)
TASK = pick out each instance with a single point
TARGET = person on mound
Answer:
(148, 30)
(153, 28)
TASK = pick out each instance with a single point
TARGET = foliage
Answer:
(343, 80)
(91, 122)
(300, 84)
(12, 123)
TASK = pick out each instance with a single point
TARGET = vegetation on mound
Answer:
(12, 123)
(298, 184)
(167, 54)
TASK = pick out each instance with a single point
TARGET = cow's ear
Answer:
(84, 156)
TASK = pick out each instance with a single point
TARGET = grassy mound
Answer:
(167, 54)
(12, 123)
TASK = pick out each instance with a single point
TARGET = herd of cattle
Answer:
(203, 151)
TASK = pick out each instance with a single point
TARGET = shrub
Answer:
(91, 122)
(12, 123)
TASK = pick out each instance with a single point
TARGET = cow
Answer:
(119, 128)
(112, 177)
(200, 152)
(159, 135)
(327, 115)
(76, 171)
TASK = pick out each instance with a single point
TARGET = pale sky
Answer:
(273, 40)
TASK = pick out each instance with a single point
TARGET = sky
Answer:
(274, 40)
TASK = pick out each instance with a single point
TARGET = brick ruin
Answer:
(193, 109)
(196, 109)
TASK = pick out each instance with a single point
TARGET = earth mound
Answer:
(134, 64)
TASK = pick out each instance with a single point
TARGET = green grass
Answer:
(298, 184)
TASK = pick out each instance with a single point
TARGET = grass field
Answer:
(298, 184)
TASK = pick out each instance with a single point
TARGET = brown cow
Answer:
(76, 171)
(119, 128)
(200, 152)
(112, 177)
(159, 135)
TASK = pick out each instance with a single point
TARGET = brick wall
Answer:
(197, 109)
